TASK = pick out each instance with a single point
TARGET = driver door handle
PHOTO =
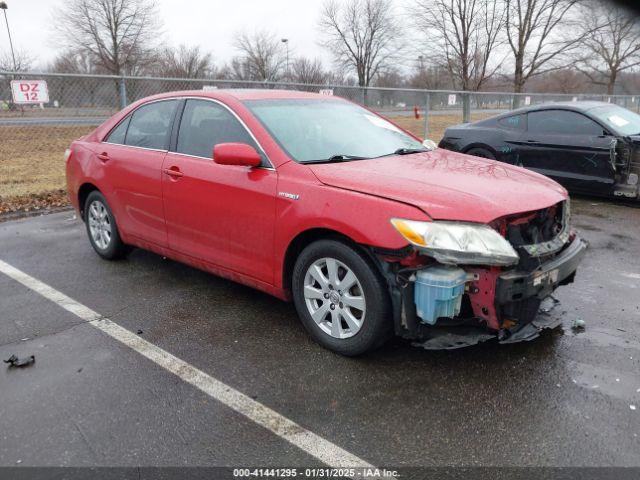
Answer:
(173, 172)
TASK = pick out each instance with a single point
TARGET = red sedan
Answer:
(312, 198)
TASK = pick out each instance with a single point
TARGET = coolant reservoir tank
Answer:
(438, 292)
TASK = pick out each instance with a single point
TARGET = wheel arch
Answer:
(307, 237)
(482, 145)
(83, 193)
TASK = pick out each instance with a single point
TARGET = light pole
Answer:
(4, 7)
(286, 43)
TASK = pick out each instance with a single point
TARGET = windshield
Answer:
(319, 130)
(618, 119)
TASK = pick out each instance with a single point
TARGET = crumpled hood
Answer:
(446, 185)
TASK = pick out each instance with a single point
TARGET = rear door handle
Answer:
(532, 141)
(173, 172)
(103, 157)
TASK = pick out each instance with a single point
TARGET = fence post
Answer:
(364, 96)
(123, 93)
(466, 108)
(426, 116)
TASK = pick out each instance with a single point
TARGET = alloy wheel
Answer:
(334, 297)
(99, 224)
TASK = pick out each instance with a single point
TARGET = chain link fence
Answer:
(34, 137)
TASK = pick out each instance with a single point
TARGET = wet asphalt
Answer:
(561, 400)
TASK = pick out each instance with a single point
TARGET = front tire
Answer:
(102, 229)
(341, 298)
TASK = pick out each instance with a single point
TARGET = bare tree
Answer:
(23, 61)
(563, 80)
(262, 57)
(117, 34)
(612, 44)
(464, 36)
(236, 69)
(70, 61)
(431, 77)
(362, 35)
(184, 62)
(390, 78)
(540, 34)
(305, 70)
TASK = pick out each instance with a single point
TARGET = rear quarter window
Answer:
(514, 122)
(117, 135)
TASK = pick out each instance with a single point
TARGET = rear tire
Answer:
(481, 152)
(102, 229)
(341, 298)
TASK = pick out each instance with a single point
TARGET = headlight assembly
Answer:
(458, 243)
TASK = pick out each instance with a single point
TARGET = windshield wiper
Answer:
(405, 151)
(408, 151)
(340, 157)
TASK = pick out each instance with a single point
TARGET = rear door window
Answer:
(205, 124)
(150, 125)
(562, 122)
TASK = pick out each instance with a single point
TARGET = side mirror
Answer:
(236, 154)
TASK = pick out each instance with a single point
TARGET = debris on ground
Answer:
(632, 407)
(139, 332)
(578, 324)
(621, 330)
(14, 361)
(34, 202)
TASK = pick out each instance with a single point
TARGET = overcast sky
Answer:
(208, 23)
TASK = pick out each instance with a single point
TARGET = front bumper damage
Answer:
(497, 305)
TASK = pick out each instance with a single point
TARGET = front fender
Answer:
(363, 218)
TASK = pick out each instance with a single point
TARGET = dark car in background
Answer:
(588, 147)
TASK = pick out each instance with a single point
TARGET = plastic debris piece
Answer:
(578, 324)
(14, 361)
(617, 379)
(632, 407)
(139, 332)
(549, 304)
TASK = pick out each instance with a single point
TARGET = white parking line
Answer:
(309, 442)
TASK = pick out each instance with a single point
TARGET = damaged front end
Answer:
(625, 161)
(447, 299)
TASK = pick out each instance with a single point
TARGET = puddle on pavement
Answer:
(602, 337)
(623, 386)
